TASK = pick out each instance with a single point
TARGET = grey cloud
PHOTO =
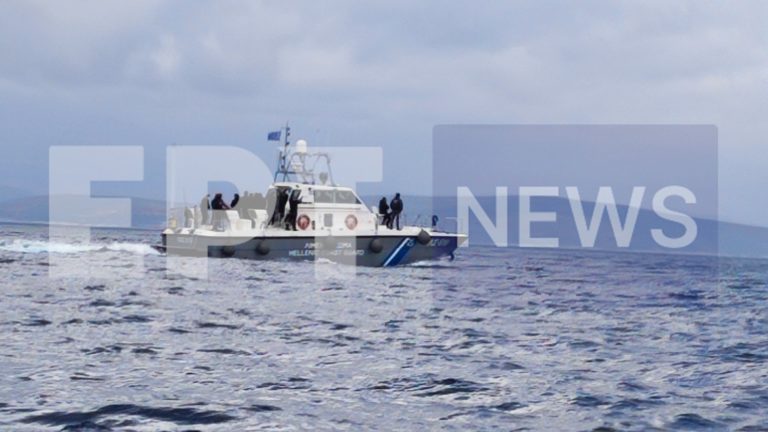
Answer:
(386, 71)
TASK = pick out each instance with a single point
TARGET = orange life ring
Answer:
(303, 222)
(351, 222)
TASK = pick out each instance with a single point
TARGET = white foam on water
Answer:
(137, 248)
(39, 246)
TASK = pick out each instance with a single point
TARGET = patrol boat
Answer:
(331, 221)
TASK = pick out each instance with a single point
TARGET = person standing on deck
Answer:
(218, 206)
(293, 209)
(271, 205)
(205, 205)
(279, 214)
(397, 207)
(384, 211)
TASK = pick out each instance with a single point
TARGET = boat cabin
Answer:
(326, 208)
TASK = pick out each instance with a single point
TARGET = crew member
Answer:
(384, 211)
(279, 214)
(397, 207)
(293, 209)
(189, 217)
(218, 205)
(244, 204)
(271, 205)
(205, 205)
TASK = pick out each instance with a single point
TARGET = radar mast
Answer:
(299, 165)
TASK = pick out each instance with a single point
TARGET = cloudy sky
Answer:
(154, 73)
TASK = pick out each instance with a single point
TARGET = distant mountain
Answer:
(8, 193)
(145, 213)
(728, 239)
(723, 238)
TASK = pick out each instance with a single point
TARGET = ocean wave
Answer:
(40, 246)
(600, 343)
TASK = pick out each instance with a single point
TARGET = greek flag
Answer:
(273, 136)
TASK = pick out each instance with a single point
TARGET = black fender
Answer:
(375, 246)
(262, 248)
(423, 237)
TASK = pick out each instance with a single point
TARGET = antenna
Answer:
(172, 174)
(283, 154)
(297, 163)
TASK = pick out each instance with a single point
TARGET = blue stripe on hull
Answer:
(399, 252)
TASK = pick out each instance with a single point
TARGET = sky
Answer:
(377, 73)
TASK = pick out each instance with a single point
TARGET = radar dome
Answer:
(301, 146)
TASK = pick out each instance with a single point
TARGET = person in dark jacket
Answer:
(279, 214)
(243, 204)
(293, 209)
(205, 205)
(218, 205)
(271, 205)
(397, 207)
(384, 211)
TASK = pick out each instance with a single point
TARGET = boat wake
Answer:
(39, 246)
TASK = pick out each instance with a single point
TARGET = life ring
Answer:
(303, 222)
(351, 222)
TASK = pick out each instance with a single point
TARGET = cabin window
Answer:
(324, 196)
(335, 196)
(346, 197)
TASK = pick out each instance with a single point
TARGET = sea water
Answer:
(107, 335)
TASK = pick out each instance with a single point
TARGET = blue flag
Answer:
(274, 136)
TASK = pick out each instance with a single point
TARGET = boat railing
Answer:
(451, 222)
